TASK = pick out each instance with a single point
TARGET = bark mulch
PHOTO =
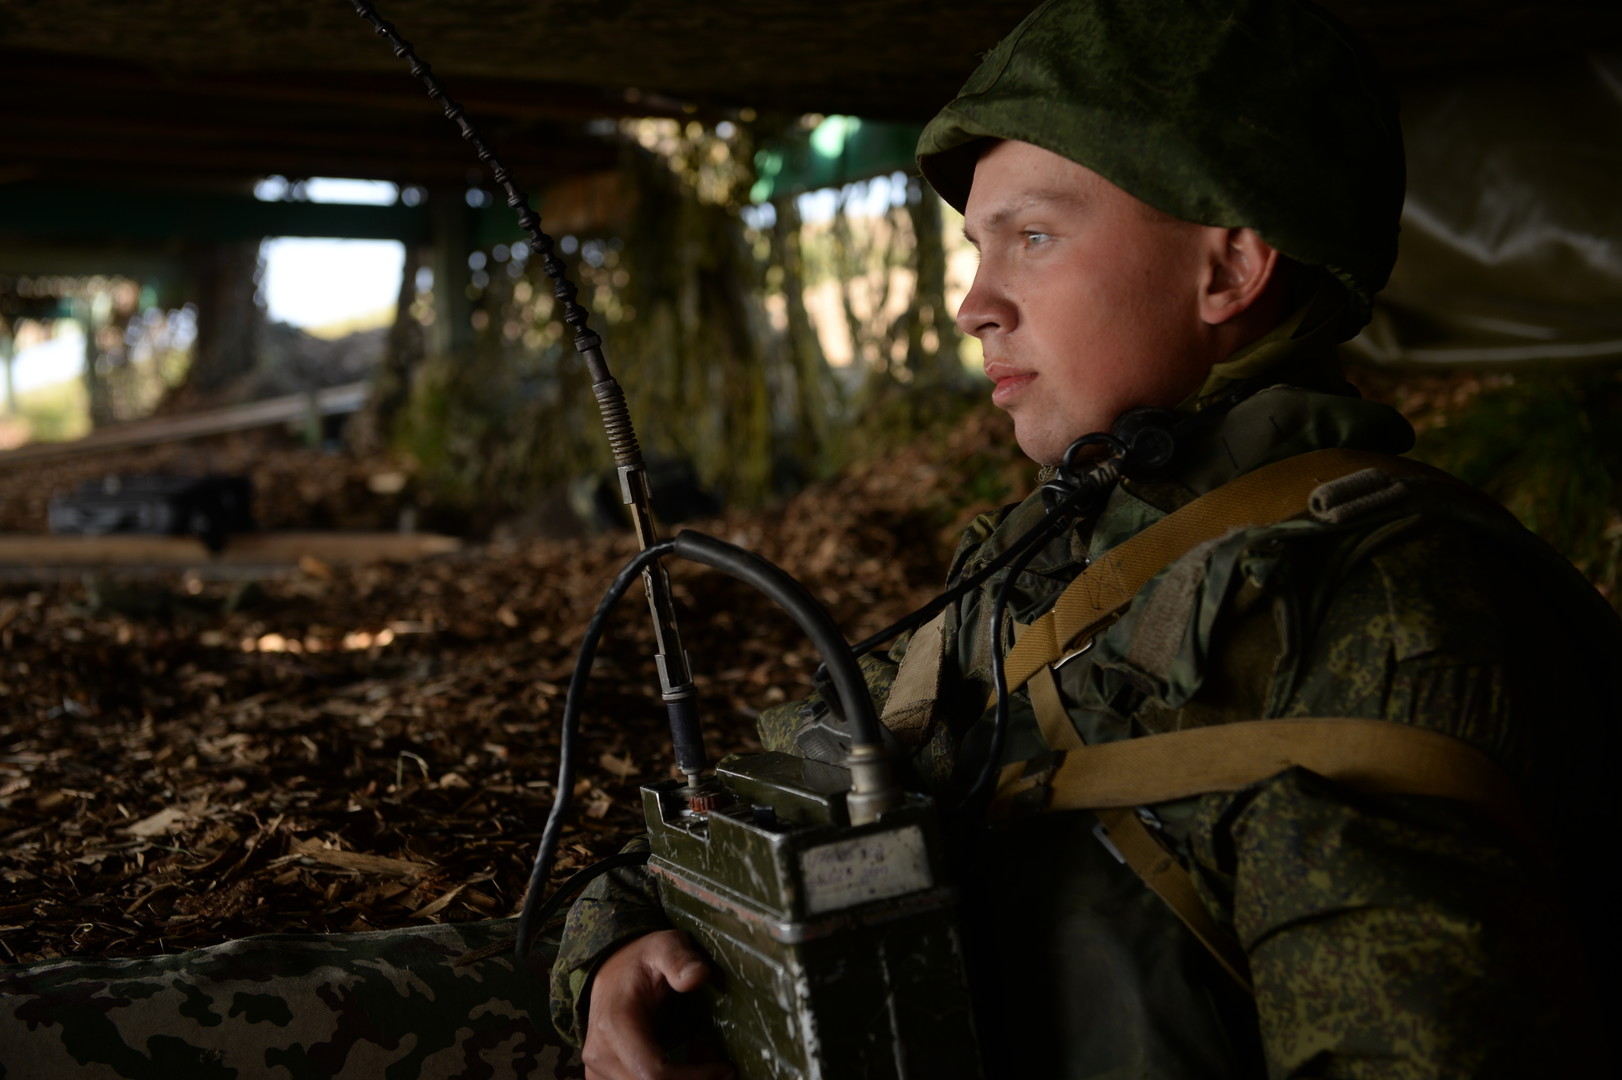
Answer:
(184, 761)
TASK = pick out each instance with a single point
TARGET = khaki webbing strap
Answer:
(1135, 843)
(909, 709)
(1374, 756)
(1059, 734)
(1165, 876)
(1263, 497)
(1113, 779)
(1057, 727)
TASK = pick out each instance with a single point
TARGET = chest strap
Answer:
(1112, 779)
(1263, 497)
(1132, 840)
(1377, 757)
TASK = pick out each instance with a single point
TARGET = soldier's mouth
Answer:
(1008, 382)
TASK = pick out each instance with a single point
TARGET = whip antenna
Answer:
(675, 678)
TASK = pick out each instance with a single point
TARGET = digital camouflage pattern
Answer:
(423, 1002)
(616, 907)
(1394, 936)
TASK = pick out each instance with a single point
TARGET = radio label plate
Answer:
(863, 868)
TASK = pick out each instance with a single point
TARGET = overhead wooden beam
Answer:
(145, 234)
(438, 164)
(107, 82)
(153, 262)
(538, 73)
(110, 213)
(57, 126)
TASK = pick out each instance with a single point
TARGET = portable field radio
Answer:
(837, 942)
(819, 892)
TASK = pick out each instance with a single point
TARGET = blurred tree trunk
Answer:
(230, 321)
(8, 352)
(115, 386)
(864, 265)
(932, 337)
(818, 403)
(451, 333)
(372, 429)
(98, 388)
(695, 358)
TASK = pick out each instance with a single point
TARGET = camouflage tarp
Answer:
(420, 1002)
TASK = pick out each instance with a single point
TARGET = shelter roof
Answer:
(199, 93)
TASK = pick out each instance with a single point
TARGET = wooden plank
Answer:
(330, 401)
(247, 549)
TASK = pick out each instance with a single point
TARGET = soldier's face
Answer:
(1086, 300)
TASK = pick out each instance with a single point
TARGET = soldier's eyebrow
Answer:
(1026, 203)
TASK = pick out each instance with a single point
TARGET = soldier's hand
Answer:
(625, 998)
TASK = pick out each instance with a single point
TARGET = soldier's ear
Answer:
(1240, 270)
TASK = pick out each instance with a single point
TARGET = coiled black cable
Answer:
(787, 593)
(568, 739)
(1099, 481)
(916, 618)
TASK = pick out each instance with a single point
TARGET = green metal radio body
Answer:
(836, 944)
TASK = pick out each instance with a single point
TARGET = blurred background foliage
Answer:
(772, 320)
(764, 349)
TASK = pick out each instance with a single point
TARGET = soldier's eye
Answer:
(1036, 239)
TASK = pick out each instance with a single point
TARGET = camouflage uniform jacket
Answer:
(1392, 936)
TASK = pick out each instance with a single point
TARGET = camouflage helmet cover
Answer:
(1260, 113)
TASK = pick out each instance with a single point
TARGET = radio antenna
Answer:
(675, 678)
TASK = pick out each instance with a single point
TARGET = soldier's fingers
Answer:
(631, 1053)
(673, 957)
(659, 1070)
(626, 992)
(621, 1043)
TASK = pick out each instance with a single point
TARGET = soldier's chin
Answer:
(1047, 448)
(1038, 442)
(1040, 449)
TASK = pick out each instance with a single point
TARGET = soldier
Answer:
(1185, 206)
